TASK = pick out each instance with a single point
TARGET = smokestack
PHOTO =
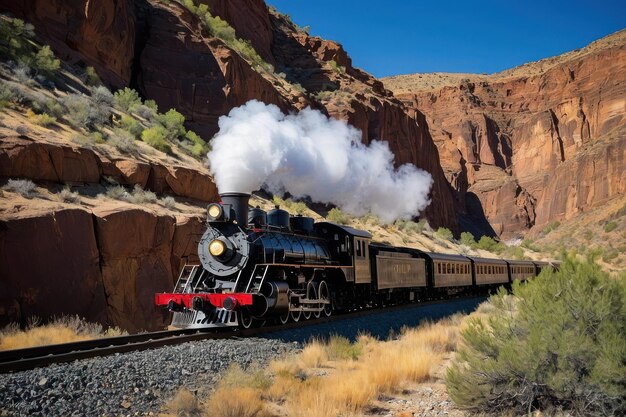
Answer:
(236, 204)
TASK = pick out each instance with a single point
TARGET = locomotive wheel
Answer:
(246, 321)
(284, 318)
(324, 295)
(295, 316)
(311, 295)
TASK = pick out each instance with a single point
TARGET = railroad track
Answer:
(35, 357)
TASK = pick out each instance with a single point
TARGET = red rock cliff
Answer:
(536, 144)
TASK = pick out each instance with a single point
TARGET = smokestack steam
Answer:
(309, 154)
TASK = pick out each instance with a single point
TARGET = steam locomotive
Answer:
(256, 266)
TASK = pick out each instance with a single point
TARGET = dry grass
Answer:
(331, 378)
(184, 404)
(59, 330)
(342, 378)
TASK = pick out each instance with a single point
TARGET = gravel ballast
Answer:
(140, 383)
(136, 383)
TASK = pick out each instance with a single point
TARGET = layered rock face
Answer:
(538, 148)
(104, 264)
(101, 262)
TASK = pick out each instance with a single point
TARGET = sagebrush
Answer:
(560, 345)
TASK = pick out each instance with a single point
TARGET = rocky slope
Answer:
(162, 49)
(536, 144)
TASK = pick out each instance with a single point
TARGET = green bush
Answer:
(444, 233)
(336, 67)
(155, 136)
(195, 145)
(610, 226)
(335, 215)
(558, 343)
(467, 239)
(45, 60)
(92, 77)
(173, 122)
(129, 124)
(489, 244)
(127, 99)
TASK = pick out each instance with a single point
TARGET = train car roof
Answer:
(445, 257)
(520, 262)
(346, 229)
(487, 260)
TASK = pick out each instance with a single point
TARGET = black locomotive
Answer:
(256, 266)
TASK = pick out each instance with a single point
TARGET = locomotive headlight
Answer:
(217, 247)
(214, 211)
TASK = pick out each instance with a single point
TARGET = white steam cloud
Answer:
(309, 154)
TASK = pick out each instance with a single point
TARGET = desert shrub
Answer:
(411, 227)
(25, 188)
(184, 404)
(529, 244)
(22, 73)
(102, 96)
(336, 67)
(489, 244)
(610, 226)
(195, 145)
(88, 140)
(297, 207)
(43, 119)
(15, 40)
(515, 252)
(168, 202)
(66, 195)
(6, 95)
(340, 348)
(173, 122)
(92, 77)
(562, 344)
(141, 196)
(117, 192)
(221, 29)
(122, 140)
(551, 226)
(621, 211)
(45, 60)
(145, 112)
(132, 126)
(83, 113)
(155, 136)
(444, 233)
(335, 215)
(53, 108)
(127, 99)
(467, 239)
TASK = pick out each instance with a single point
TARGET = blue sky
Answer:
(407, 36)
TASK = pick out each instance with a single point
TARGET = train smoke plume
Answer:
(309, 154)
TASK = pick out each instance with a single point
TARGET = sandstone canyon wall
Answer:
(535, 144)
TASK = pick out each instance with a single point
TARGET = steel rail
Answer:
(35, 357)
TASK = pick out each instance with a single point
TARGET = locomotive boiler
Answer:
(254, 265)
